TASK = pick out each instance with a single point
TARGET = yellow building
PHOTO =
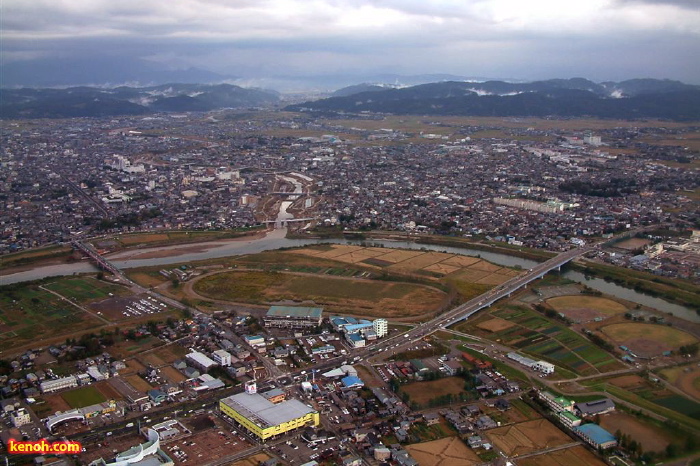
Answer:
(265, 418)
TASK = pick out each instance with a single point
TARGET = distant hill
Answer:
(577, 97)
(90, 101)
(358, 88)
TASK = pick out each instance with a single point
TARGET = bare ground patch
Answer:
(495, 325)
(450, 451)
(527, 437)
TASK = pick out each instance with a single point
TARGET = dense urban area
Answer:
(349, 350)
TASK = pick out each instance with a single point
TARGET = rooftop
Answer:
(263, 412)
(294, 311)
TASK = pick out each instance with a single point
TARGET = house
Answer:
(401, 435)
(502, 404)
(485, 422)
(431, 418)
(475, 441)
(157, 396)
(191, 372)
(471, 410)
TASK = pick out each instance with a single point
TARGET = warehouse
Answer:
(266, 419)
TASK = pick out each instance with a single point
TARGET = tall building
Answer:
(381, 327)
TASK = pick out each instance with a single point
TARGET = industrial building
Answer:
(293, 317)
(265, 419)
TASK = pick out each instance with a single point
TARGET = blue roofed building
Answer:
(352, 381)
(596, 436)
(355, 339)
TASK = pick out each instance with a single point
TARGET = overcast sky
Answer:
(522, 39)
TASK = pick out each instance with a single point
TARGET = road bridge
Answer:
(473, 306)
(102, 263)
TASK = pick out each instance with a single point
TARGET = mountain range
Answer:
(125, 100)
(576, 97)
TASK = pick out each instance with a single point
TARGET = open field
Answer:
(29, 313)
(375, 298)
(647, 339)
(108, 391)
(253, 460)
(84, 396)
(582, 308)
(685, 378)
(422, 392)
(527, 437)
(653, 438)
(450, 451)
(574, 456)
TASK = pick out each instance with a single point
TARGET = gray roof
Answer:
(294, 311)
(265, 413)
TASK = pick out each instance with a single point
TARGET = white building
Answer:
(544, 367)
(200, 360)
(20, 417)
(381, 327)
(49, 386)
(222, 357)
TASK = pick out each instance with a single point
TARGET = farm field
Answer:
(423, 392)
(84, 396)
(450, 451)
(647, 339)
(527, 437)
(631, 244)
(582, 308)
(533, 333)
(575, 456)
(652, 437)
(373, 298)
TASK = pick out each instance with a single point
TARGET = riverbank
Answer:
(676, 291)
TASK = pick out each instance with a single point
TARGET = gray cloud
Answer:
(600, 39)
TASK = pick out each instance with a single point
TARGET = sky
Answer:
(501, 39)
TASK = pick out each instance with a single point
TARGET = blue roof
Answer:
(352, 380)
(595, 433)
(356, 327)
(355, 337)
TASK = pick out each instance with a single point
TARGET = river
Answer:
(275, 239)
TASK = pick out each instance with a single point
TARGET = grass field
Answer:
(647, 339)
(29, 313)
(422, 392)
(586, 308)
(85, 289)
(374, 298)
(84, 396)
